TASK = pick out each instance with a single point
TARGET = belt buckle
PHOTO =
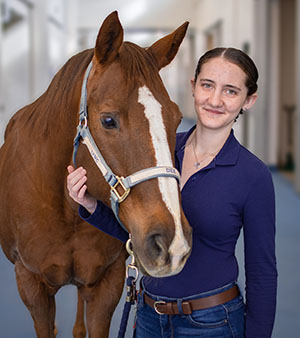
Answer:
(158, 302)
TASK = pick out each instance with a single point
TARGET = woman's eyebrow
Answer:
(227, 85)
(233, 87)
(207, 80)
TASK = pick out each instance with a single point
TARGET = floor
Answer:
(15, 321)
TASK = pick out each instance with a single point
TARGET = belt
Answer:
(171, 308)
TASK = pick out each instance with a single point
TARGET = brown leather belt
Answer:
(171, 308)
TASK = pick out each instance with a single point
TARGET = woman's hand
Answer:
(76, 184)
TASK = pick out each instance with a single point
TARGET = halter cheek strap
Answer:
(116, 183)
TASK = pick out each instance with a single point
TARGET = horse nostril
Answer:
(185, 257)
(157, 246)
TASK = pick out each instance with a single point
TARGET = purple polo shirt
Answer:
(234, 192)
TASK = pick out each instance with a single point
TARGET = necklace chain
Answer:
(197, 164)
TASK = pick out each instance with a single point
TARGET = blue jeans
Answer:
(222, 321)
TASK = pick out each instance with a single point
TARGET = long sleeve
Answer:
(260, 260)
(104, 219)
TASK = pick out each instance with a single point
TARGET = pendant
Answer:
(197, 165)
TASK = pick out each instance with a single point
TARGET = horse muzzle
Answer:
(158, 256)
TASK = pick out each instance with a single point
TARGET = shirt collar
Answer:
(228, 155)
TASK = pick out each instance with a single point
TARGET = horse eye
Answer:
(109, 122)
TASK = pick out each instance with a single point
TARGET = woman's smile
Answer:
(214, 111)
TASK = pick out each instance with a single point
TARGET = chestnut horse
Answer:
(133, 122)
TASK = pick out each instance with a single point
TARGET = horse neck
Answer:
(55, 113)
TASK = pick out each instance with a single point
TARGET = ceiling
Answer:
(147, 14)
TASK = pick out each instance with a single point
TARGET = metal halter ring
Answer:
(83, 122)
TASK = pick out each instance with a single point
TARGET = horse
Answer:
(132, 121)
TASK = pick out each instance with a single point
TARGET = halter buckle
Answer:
(113, 189)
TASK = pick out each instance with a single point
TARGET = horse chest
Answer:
(80, 259)
(92, 256)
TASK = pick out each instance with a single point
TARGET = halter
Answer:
(113, 180)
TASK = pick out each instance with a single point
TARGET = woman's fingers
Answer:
(70, 169)
(75, 188)
(75, 176)
(78, 189)
(82, 192)
(75, 182)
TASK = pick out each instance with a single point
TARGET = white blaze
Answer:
(167, 185)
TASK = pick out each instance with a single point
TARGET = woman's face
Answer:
(220, 93)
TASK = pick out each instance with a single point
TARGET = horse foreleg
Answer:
(102, 299)
(79, 330)
(36, 298)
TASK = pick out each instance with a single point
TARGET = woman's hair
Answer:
(237, 57)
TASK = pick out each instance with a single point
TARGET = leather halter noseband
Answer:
(113, 180)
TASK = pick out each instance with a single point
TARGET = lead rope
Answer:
(131, 295)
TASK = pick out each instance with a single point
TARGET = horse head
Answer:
(133, 123)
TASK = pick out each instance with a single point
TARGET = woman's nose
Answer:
(215, 99)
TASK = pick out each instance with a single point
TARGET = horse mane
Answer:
(61, 99)
(57, 101)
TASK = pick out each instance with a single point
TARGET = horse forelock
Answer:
(138, 65)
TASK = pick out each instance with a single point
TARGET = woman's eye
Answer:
(206, 85)
(109, 122)
(230, 92)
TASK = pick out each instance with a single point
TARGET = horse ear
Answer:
(109, 39)
(165, 49)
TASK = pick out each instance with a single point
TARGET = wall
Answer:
(48, 40)
(236, 17)
(32, 50)
(297, 122)
(287, 83)
(1, 75)
(274, 82)
(15, 64)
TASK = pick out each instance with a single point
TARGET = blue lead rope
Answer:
(130, 289)
(130, 300)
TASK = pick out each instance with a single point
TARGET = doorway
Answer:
(287, 83)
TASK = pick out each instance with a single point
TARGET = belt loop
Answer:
(142, 293)
(179, 305)
(142, 298)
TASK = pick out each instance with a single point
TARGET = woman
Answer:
(224, 188)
